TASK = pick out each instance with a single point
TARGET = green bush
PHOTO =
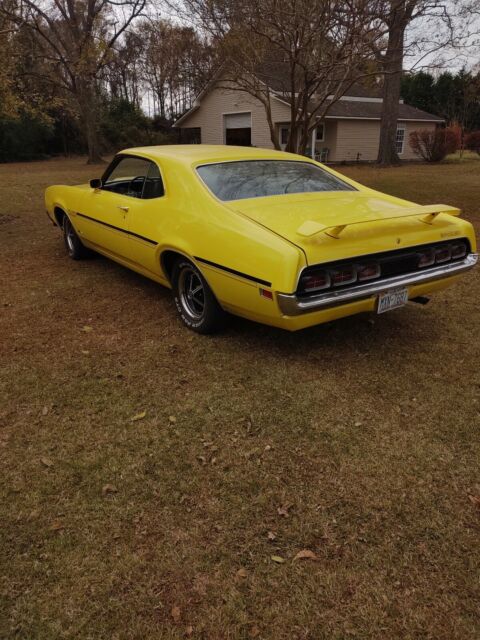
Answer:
(125, 125)
(27, 138)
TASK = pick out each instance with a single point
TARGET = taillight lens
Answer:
(368, 271)
(443, 254)
(315, 281)
(459, 250)
(343, 275)
(427, 258)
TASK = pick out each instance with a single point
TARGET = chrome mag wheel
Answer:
(70, 236)
(192, 293)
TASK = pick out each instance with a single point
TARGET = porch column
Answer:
(314, 139)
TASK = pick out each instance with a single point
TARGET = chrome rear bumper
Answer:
(291, 305)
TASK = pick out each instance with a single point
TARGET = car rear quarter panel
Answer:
(201, 227)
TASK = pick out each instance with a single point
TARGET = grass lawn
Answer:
(358, 441)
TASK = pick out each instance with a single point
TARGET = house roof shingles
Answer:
(373, 111)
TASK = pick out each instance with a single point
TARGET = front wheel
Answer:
(73, 244)
(194, 299)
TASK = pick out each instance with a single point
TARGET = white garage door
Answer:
(238, 120)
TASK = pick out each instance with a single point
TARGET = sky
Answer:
(426, 38)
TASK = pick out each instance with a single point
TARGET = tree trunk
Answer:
(393, 63)
(267, 103)
(273, 132)
(87, 103)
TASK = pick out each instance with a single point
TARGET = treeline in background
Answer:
(137, 91)
(93, 76)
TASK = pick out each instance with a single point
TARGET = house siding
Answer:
(363, 137)
(220, 101)
(344, 138)
(330, 141)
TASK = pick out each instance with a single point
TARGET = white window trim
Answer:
(401, 127)
(283, 126)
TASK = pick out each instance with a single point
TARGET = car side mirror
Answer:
(96, 183)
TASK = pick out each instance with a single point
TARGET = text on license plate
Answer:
(392, 299)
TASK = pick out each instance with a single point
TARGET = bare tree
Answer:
(77, 39)
(176, 63)
(318, 49)
(442, 27)
(397, 18)
(9, 102)
(123, 74)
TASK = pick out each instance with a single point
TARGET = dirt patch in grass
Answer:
(356, 440)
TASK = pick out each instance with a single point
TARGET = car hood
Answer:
(289, 215)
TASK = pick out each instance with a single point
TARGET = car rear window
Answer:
(259, 178)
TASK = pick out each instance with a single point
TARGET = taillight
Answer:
(315, 281)
(363, 269)
(368, 271)
(427, 258)
(443, 254)
(343, 275)
(458, 250)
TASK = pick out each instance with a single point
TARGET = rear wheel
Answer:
(194, 299)
(73, 244)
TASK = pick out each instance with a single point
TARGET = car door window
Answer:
(127, 177)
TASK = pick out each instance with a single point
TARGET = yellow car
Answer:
(270, 236)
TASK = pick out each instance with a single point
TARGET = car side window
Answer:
(153, 187)
(127, 177)
(134, 177)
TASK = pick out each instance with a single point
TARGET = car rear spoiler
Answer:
(425, 214)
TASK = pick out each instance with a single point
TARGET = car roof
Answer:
(197, 153)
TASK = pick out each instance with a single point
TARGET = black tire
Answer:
(195, 301)
(73, 244)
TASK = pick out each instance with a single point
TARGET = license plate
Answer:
(392, 299)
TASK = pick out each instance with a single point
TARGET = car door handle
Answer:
(124, 209)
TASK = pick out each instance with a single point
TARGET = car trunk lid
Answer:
(319, 222)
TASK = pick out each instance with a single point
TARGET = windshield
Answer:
(259, 178)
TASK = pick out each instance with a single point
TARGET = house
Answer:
(225, 114)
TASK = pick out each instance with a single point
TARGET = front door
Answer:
(104, 219)
(147, 221)
(283, 135)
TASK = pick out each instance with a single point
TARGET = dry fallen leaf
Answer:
(305, 554)
(56, 525)
(278, 559)
(475, 500)
(242, 573)
(189, 631)
(109, 488)
(271, 535)
(86, 328)
(138, 416)
(44, 411)
(46, 462)
(284, 509)
(254, 632)
(176, 614)
(172, 419)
